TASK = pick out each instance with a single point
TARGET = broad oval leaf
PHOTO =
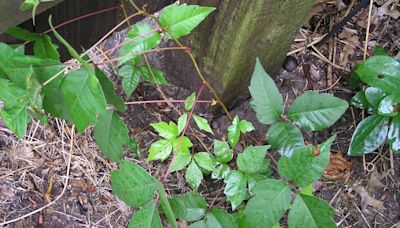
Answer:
(132, 184)
(374, 96)
(167, 131)
(221, 171)
(394, 134)
(146, 217)
(218, 218)
(388, 106)
(111, 134)
(222, 151)
(303, 168)
(267, 101)
(369, 135)
(235, 188)
(193, 175)
(183, 158)
(359, 100)
(252, 160)
(284, 137)
(152, 75)
(234, 132)
(83, 97)
(180, 20)
(311, 212)
(130, 79)
(271, 200)
(382, 72)
(109, 92)
(202, 124)
(205, 160)
(314, 112)
(141, 37)
(189, 207)
(160, 150)
(16, 119)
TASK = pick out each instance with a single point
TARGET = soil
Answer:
(365, 191)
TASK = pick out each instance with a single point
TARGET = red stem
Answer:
(166, 101)
(183, 133)
(82, 17)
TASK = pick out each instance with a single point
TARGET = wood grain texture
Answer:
(11, 15)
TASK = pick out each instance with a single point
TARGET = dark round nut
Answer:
(290, 64)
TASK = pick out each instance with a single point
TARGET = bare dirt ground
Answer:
(54, 168)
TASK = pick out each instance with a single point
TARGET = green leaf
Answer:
(303, 168)
(141, 37)
(252, 160)
(202, 124)
(388, 106)
(315, 112)
(54, 103)
(271, 200)
(167, 131)
(146, 217)
(218, 218)
(246, 126)
(29, 4)
(109, 92)
(83, 96)
(152, 75)
(44, 48)
(130, 79)
(309, 211)
(183, 158)
(182, 122)
(111, 134)
(132, 184)
(308, 190)
(369, 135)
(267, 101)
(193, 175)
(180, 20)
(379, 50)
(221, 171)
(359, 100)
(22, 34)
(160, 150)
(181, 143)
(222, 151)
(234, 132)
(205, 161)
(394, 134)
(284, 137)
(374, 96)
(189, 207)
(254, 179)
(235, 188)
(382, 72)
(190, 101)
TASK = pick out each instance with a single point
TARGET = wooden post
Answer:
(227, 43)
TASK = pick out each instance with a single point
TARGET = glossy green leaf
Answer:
(382, 72)
(374, 96)
(141, 37)
(202, 124)
(388, 106)
(189, 207)
(267, 101)
(314, 112)
(272, 199)
(254, 178)
(183, 158)
(182, 122)
(284, 137)
(234, 132)
(132, 184)
(109, 92)
(130, 79)
(218, 218)
(369, 135)
(160, 150)
(84, 97)
(310, 211)
(235, 188)
(359, 100)
(222, 151)
(303, 168)
(146, 217)
(181, 19)
(152, 75)
(190, 101)
(205, 160)
(394, 134)
(193, 175)
(167, 131)
(252, 160)
(111, 134)
(221, 171)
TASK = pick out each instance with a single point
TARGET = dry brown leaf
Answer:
(389, 9)
(374, 181)
(338, 168)
(367, 200)
(24, 152)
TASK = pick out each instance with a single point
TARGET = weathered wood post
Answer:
(228, 42)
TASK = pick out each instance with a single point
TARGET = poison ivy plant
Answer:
(381, 99)
(238, 126)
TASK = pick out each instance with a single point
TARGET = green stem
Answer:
(166, 207)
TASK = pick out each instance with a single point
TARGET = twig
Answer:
(368, 28)
(166, 101)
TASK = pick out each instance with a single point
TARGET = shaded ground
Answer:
(364, 192)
